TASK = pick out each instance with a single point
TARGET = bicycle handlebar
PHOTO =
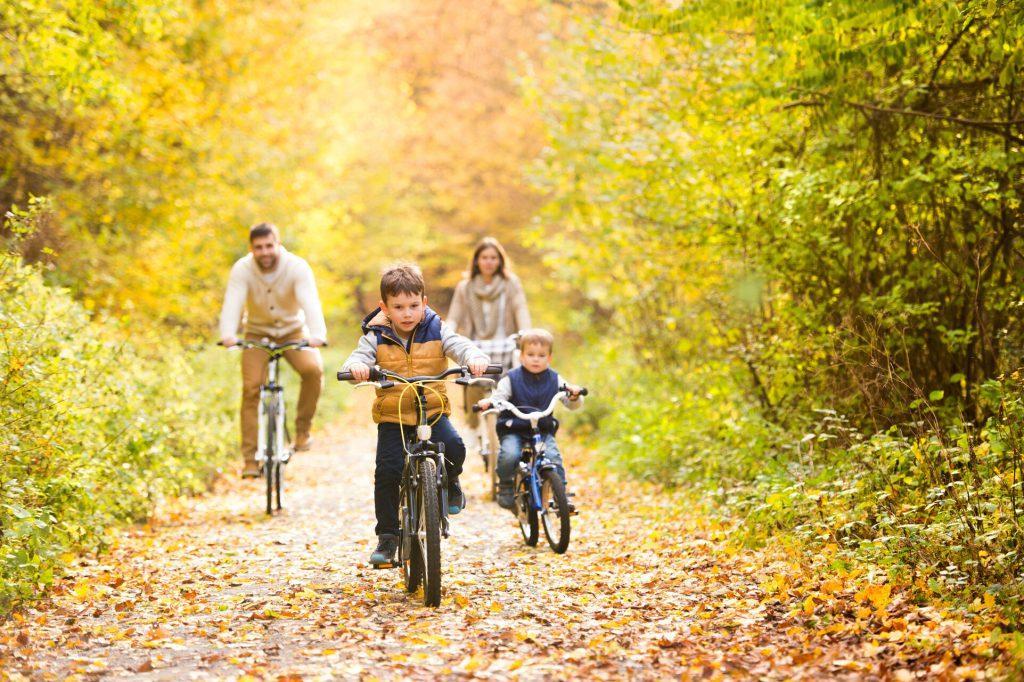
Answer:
(245, 344)
(378, 374)
(499, 405)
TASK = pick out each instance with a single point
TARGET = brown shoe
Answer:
(251, 469)
(303, 442)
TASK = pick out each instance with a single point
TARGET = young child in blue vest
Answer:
(405, 336)
(532, 385)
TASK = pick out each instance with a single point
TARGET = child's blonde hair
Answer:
(541, 337)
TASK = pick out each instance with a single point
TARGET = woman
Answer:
(489, 303)
(489, 306)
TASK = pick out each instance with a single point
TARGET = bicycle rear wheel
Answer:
(554, 511)
(412, 550)
(525, 513)
(429, 534)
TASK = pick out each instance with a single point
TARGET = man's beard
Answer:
(267, 263)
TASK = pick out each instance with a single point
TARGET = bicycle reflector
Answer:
(423, 432)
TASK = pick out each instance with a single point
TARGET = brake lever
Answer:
(376, 384)
(470, 381)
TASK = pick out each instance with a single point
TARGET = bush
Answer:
(938, 499)
(99, 421)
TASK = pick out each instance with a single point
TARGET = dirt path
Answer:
(216, 590)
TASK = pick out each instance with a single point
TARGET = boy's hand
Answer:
(478, 367)
(484, 404)
(360, 371)
(573, 390)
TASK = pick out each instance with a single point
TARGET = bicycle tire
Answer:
(430, 523)
(270, 461)
(493, 450)
(279, 464)
(525, 513)
(412, 563)
(554, 503)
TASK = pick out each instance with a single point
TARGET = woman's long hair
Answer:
(504, 265)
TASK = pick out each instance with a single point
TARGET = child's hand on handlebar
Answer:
(360, 371)
(573, 391)
(478, 367)
(484, 404)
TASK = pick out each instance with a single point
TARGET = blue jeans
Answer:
(387, 477)
(512, 450)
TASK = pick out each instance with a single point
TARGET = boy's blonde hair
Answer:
(541, 337)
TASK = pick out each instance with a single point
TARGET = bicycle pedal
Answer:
(378, 567)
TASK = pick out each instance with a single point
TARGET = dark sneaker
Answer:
(506, 498)
(387, 547)
(251, 469)
(456, 500)
(572, 507)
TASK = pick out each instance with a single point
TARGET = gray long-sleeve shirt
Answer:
(455, 346)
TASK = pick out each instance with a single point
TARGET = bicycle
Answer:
(423, 491)
(273, 444)
(486, 435)
(539, 490)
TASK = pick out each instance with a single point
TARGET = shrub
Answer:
(99, 420)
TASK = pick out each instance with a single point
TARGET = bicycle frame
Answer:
(271, 407)
(418, 446)
(272, 450)
(423, 504)
(534, 460)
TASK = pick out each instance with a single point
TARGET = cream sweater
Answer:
(276, 303)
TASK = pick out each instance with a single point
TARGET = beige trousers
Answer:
(306, 362)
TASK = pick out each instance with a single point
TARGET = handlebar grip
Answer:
(583, 391)
(375, 375)
(476, 408)
(494, 369)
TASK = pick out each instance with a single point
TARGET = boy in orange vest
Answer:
(405, 336)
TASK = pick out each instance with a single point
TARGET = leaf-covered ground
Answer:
(648, 589)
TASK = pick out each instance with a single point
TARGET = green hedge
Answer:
(937, 499)
(98, 420)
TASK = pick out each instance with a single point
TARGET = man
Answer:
(279, 297)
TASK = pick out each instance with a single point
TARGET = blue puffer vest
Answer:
(529, 392)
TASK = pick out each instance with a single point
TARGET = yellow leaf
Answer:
(831, 586)
(809, 605)
(878, 595)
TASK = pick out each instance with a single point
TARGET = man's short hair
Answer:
(541, 337)
(263, 230)
(403, 278)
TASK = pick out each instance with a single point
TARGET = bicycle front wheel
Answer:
(429, 535)
(270, 463)
(280, 450)
(412, 550)
(525, 512)
(554, 511)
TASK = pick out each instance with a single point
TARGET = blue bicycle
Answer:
(540, 497)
